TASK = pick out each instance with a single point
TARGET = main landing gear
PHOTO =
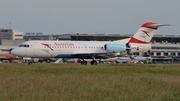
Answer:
(93, 62)
(83, 62)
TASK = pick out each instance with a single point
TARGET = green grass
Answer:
(75, 82)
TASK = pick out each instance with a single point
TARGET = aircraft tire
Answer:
(83, 62)
(93, 62)
(29, 63)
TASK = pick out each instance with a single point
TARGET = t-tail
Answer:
(146, 32)
(140, 41)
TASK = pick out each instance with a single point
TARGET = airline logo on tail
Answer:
(145, 33)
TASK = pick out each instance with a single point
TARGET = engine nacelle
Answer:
(112, 47)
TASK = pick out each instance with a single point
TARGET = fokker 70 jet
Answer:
(94, 50)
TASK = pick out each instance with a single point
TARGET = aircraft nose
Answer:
(14, 51)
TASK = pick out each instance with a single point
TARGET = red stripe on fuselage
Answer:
(134, 40)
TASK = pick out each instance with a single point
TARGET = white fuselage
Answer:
(71, 49)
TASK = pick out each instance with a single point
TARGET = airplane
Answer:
(130, 58)
(125, 59)
(135, 59)
(140, 41)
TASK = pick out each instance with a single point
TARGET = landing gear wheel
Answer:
(29, 63)
(83, 62)
(93, 62)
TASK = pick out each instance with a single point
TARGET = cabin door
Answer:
(36, 49)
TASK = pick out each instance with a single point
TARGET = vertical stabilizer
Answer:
(145, 33)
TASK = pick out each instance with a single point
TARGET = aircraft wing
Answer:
(101, 54)
(79, 53)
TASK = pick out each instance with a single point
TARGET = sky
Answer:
(89, 16)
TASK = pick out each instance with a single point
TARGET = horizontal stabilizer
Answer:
(146, 32)
(157, 25)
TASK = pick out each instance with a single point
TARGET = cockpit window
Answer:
(21, 45)
(25, 45)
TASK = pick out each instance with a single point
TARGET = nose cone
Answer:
(15, 51)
